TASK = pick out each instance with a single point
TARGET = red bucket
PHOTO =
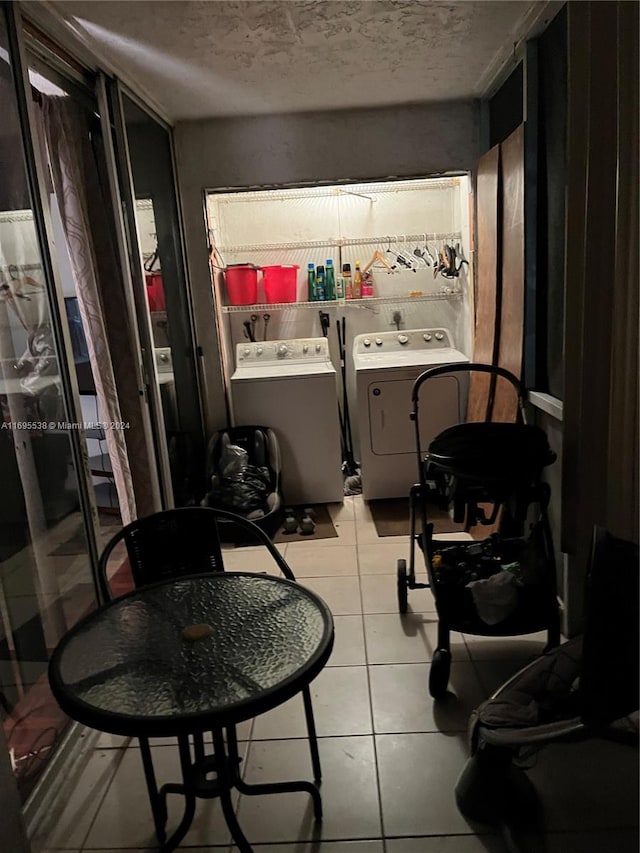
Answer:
(242, 284)
(280, 282)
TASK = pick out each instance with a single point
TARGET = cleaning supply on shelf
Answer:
(311, 282)
(321, 293)
(367, 285)
(357, 282)
(340, 288)
(348, 284)
(330, 280)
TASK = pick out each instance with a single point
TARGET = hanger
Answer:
(378, 256)
(412, 262)
(400, 256)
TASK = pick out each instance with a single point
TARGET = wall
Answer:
(295, 149)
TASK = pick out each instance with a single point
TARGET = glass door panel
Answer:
(46, 580)
(158, 246)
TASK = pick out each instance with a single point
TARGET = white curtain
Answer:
(77, 188)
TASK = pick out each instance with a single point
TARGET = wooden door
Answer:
(512, 278)
(488, 282)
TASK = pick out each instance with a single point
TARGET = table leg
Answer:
(311, 734)
(158, 805)
(188, 792)
(228, 777)
(252, 790)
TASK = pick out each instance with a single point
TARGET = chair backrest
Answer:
(609, 679)
(167, 544)
(178, 542)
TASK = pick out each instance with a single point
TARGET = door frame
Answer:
(121, 178)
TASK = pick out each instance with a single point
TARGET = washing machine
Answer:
(291, 386)
(386, 365)
(167, 388)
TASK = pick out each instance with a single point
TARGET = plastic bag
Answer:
(495, 597)
(233, 461)
(239, 487)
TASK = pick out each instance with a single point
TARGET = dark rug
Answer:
(391, 518)
(324, 528)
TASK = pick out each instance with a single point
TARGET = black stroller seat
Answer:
(243, 472)
(487, 473)
(491, 452)
(488, 463)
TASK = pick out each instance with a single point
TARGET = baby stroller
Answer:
(486, 474)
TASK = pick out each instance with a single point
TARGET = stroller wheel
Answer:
(439, 673)
(403, 598)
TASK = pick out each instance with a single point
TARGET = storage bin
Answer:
(242, 284)
(280, 282)
(155, 291)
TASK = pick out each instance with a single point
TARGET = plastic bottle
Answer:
(340, 288)
(357, 282)
(348, 286)
(321, 293)
(330, 280)
(367, 285)
(311, 280)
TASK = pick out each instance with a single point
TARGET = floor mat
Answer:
(324, 528)
(391, 518)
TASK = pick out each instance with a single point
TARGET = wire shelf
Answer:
(235, 196)
(339, 241)
(453, 295)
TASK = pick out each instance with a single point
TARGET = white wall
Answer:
(297, 149)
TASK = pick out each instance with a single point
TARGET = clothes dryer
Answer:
(386, 365)
(291, 386)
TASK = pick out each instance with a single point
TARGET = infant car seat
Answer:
(243, 473)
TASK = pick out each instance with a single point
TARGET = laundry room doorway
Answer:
(340, 261)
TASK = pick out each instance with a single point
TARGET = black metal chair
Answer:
(185, 541)
(587, 687)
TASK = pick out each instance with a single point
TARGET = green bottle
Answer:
(311, 281)
(330, 280)
(321, 292)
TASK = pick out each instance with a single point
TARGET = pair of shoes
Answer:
(307, 524)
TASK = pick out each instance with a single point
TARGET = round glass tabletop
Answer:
(191, 654)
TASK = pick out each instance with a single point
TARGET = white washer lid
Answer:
(280, 370)
(409, 358)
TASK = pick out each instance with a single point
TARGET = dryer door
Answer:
(392, 430)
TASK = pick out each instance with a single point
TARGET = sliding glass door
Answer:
(100, 417)
(148, 191)
(47, 537)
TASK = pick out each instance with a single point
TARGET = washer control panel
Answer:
(412, 339)
(300, 349)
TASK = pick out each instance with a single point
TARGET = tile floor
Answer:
(390, 756)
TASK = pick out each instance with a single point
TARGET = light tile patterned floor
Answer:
(390, 755)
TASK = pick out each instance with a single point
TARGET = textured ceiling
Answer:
(204, 59)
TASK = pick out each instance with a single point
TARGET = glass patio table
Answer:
(189, 656)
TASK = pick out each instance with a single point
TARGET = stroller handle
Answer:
(466, 367)
(458, 367)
